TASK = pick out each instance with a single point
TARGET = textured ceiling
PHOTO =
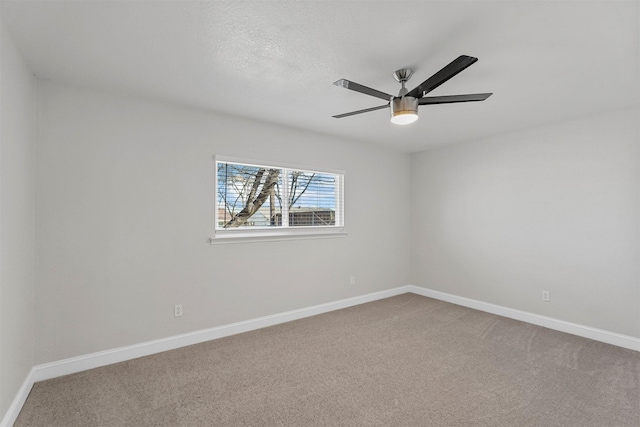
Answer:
(275, 61)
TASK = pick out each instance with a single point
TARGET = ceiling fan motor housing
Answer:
(404, 110)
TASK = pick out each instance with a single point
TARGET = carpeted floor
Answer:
(402, 361)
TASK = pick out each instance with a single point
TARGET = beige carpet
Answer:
(402, 361)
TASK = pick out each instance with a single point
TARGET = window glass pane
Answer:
(248, 195)
(312, 199)
(275, 198)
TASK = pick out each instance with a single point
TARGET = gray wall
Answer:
(17, 136)
(125, 207)
(552, 208)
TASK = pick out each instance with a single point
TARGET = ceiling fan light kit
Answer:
(404, 107)
(404, 110)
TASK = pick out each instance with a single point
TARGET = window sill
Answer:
(252, 236)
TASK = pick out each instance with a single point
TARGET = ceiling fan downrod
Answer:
(402, 76)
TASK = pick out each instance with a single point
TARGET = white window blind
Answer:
(261, 199)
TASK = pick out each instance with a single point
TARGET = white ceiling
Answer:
(276, 61)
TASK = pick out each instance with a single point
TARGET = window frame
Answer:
(283, 232)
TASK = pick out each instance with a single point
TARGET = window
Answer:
(260, 200)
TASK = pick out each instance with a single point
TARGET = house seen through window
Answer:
(268, 197)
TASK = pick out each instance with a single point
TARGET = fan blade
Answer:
(347, 84)
(456, 66)
(339, 116)
(429, 100)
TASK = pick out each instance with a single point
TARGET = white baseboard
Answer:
(108, 357)
(15, 407)
(613, 338)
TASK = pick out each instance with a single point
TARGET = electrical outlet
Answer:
(545, 296)
(352, 280)
(177, 310)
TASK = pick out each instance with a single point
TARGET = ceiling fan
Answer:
(404, 107)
